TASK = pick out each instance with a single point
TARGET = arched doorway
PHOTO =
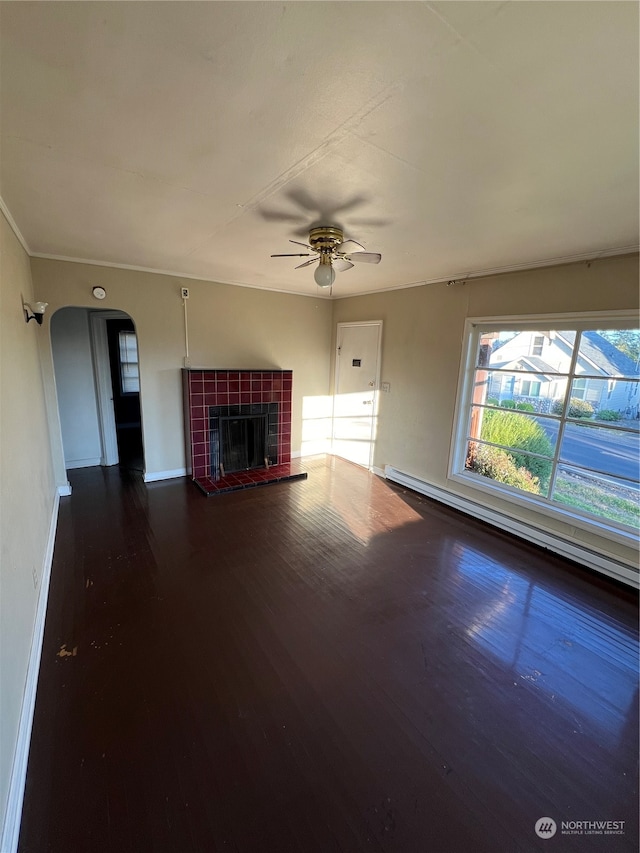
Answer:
(95, 357)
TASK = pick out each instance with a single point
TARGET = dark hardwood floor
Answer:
(333, 664)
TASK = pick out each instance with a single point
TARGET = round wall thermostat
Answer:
(99, 292)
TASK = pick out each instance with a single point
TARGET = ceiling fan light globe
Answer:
(324, 275)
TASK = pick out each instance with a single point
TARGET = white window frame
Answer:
(537, 343)
(475, 326)
(579, 393)
(534, 385)
(124, 363)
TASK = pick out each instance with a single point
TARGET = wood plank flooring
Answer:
(332, 664)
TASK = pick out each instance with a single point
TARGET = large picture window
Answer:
(550, 414)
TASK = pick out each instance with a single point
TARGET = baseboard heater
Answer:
(605, 564)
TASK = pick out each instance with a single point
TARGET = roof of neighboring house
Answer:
(603, 354)
(593, 347)
(531, 361)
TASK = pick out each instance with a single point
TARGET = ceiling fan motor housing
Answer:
(325, 239)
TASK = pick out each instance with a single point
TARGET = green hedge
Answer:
(577, 408)
(608, 415)
(500, 466)
(522, 435)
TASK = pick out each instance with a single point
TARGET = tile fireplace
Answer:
(238, 428)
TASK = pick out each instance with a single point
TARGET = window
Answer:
(560, 432)
(128, 358)
(538, 343)
(579, 389)
(530, 388)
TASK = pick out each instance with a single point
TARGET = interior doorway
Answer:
(357, 380)
(97, 382)
(122, 344)
(117, 381)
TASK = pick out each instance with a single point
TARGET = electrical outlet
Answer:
(386, 387)
(185, 292)
(186, 361)
(34, 575)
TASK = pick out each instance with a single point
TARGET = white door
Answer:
(357, 379)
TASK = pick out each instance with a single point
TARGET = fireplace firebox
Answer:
(242, 438)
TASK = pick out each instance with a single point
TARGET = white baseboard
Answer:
(313, 448)
(89, 462)
(154, 476)
(599, 562)
(11, 827)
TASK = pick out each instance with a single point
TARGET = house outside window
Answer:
(562, 432)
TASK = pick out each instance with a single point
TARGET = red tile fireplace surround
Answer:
(204, 389)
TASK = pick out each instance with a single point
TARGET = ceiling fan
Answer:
(332, 252)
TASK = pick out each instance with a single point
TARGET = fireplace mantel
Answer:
(239, 390)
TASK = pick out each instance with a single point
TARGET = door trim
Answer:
(104, 391)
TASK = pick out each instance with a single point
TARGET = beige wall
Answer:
(422, 348)
(228, 327)
(27, 491)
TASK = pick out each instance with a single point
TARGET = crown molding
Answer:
(14, 227)
(462, 278)
(172, 273)
(456, 278)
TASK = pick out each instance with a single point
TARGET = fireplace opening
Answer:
(243, 439)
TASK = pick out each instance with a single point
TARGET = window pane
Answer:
(613, 400)
(514, 430)
(543, 350)
(512, 469)
(128, 352)
(605, 497)
(520, 435)
(610, 451)
(531, 391)
(612, 352)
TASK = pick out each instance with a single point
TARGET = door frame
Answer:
(104, 391)
(376, 390)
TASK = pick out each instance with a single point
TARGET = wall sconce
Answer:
(37, 311)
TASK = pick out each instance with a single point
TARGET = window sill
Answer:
(566, 516)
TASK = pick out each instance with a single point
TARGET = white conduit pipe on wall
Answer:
(185, 295)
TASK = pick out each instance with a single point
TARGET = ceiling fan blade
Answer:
(348, 246)
(306, 263)
(298, 243)
(365, 257)
(341, 265)
(300, 255)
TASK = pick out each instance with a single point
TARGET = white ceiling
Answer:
(199, 137)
